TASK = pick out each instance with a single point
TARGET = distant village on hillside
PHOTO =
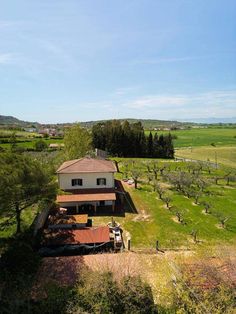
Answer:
(57, 129)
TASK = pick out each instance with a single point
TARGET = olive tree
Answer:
(136, 174)
(160, 190)
(167, 199)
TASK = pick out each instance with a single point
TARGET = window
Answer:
(75, 182)
(101, 181)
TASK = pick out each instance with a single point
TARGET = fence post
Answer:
(157, 244)
(129, 244)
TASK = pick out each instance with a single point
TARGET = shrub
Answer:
(56, 301)
(192, 300)
(95, 292)
(40, 145)
(136, 296)
(100, 293)
(20, 258)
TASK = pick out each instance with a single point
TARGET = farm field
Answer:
(203, 137)
(154, 221)
(225, 155)
(8, 133)
(30, 142)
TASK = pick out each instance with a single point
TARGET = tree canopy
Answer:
(129, 140)
(24, 181)
(77, 142)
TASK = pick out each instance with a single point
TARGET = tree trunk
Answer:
(117, 166)
(18, 219)
(135, 184)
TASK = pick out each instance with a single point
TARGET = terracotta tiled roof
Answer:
(81, 236)
(86, 197)
(96, 235)
(87, 164)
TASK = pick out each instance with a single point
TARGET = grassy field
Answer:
(185, 138)
(203, 137)
(8, 133)
(222, 155)
(155, 222)
(24, 139)
(30, 143)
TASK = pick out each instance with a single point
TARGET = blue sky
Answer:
(74, 60)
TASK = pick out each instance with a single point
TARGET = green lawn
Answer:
(155, 222)
(203, 137)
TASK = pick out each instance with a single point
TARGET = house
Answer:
(90, 185)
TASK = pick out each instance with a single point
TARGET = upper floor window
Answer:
(75, 182)
(101, 181)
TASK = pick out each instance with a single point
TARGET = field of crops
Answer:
(203, 137)
(26, 140)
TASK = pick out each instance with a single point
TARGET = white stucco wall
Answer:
(89, 180)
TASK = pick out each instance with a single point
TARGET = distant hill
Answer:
(147, 123)
(213, 120)
(9, 120)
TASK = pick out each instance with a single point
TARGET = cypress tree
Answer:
(155, 145)
(129, 140)
(150, 145)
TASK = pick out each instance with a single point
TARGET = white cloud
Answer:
(159, 60)
(5, 24)
(164, 60)
(125, 90)
(154, 101)
(6, 58)
(219, 103)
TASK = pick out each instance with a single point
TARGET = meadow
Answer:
(24, 139)
(225, 155)
(202, 137)
(217, 145)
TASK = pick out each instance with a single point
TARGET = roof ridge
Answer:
(76, 160)
(109, 160)
(104, 164)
